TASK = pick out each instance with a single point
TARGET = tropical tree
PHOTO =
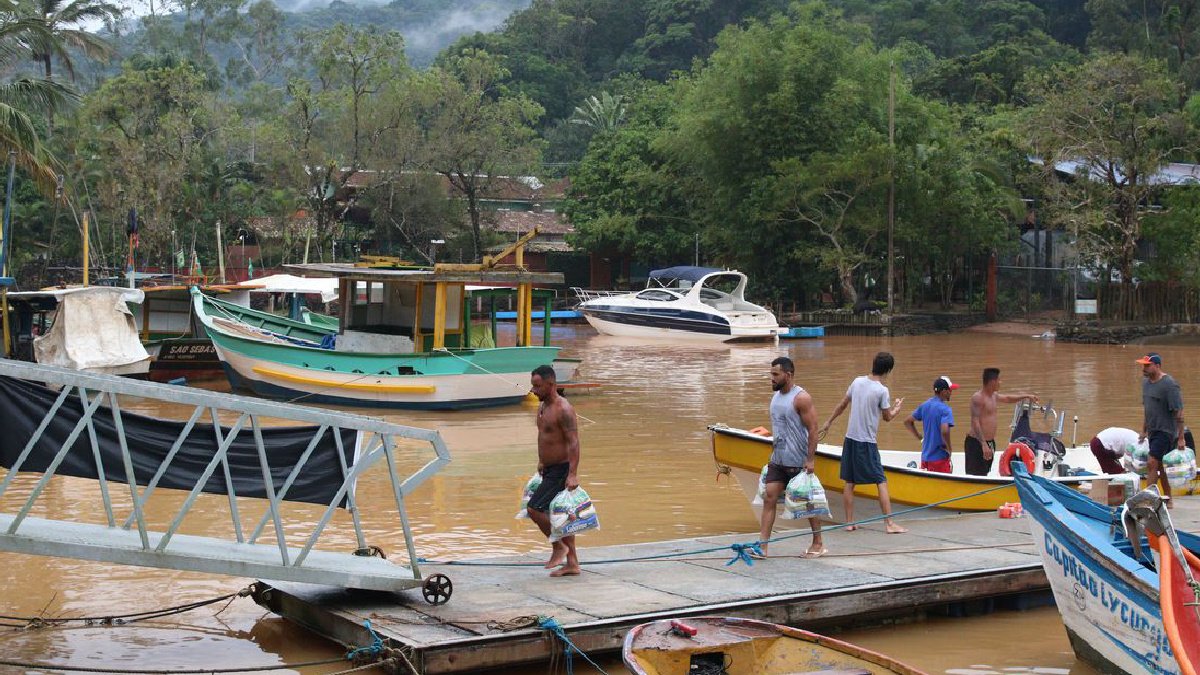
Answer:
(25, 100)
(1109, 125)
(600, 114)
(476, 131)
(62, 33)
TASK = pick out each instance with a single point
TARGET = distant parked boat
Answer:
(401, 342)
(89, 328)
(735, 646)
(682, 303)
(1104, 579)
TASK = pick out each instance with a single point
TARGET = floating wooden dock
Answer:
(866, 575)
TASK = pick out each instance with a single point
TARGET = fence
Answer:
(1157, 302)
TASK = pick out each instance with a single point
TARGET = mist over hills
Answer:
(428, 26)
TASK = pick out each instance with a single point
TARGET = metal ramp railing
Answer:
(78, 428)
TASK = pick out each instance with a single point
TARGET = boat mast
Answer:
(5, 237)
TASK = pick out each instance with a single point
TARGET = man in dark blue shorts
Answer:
(1162, 405)
(869, 400)
(558, 462)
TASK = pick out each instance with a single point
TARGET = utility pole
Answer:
(220, 253)
(891, 189)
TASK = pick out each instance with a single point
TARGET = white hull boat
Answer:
(683, 303)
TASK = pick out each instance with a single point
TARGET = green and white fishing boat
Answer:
(403, 340)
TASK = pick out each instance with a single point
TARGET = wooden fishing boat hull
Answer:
(275, 367)
(1180, 603)
(743, 454)
(1108, 600)
(192, 358)
(747, 647)
(448, 381)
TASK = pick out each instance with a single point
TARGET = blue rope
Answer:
(550, 624)
(739, 550)
(742, 552)
(374, 649)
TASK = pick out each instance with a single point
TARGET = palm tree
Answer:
(24, 99)
(601, 114)
(61, 34)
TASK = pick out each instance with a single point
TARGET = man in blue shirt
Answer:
(936, 418)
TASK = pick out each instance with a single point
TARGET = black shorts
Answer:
(976, 464)
(860, 463)
(778, 473)
(1160, 444)
(554, 481)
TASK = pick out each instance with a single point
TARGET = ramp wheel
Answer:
(437, 589)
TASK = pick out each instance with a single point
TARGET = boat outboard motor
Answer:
(1051, 450)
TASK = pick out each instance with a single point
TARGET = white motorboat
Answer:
(700, 303)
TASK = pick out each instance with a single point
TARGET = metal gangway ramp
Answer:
(277, 546)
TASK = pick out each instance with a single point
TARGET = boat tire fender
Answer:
(1017, 450)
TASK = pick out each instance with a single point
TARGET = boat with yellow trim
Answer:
(737, 646)
(742, 454)
(404, 340)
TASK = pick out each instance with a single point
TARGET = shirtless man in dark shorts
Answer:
(980, 443)
(558, 464)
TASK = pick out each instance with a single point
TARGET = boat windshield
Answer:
(658, 294)
(719, 286)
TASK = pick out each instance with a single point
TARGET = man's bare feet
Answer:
(851, 528)
(557, 557)
(567, 571)
(893, 528)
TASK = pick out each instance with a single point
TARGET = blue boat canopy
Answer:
(685, 272)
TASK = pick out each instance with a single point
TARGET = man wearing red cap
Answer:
(936, 418)
(1162, 406)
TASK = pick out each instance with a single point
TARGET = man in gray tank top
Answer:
(794, 427)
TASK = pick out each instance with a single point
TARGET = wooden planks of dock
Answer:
(866, 574)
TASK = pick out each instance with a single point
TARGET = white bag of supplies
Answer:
(762, 488)
(804, 497)
(531, 487)
(572, 512)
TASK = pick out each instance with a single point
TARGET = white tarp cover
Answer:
(93, 330)
(327, 287)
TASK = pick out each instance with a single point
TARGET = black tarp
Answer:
(25, 404)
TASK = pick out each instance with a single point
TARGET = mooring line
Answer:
(120, 619)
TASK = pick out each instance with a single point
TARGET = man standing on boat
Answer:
(1162, 405)
(936, 418)
(869, 399)
(794, 428)
(980, 443)
(558, 464)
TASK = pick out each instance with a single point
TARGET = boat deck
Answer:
(866, 575)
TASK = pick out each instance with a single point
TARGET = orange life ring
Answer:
(1013, 450)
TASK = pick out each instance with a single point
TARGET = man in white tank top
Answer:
(794, 428)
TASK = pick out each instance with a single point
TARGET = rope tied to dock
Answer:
(549, 623)
(745, 553)
(39, 622)
(375, 649)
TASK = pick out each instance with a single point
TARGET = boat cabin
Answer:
(405, 310)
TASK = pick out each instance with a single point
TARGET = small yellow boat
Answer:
(743, 454)
(731, 646)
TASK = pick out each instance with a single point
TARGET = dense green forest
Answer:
(778, 135)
